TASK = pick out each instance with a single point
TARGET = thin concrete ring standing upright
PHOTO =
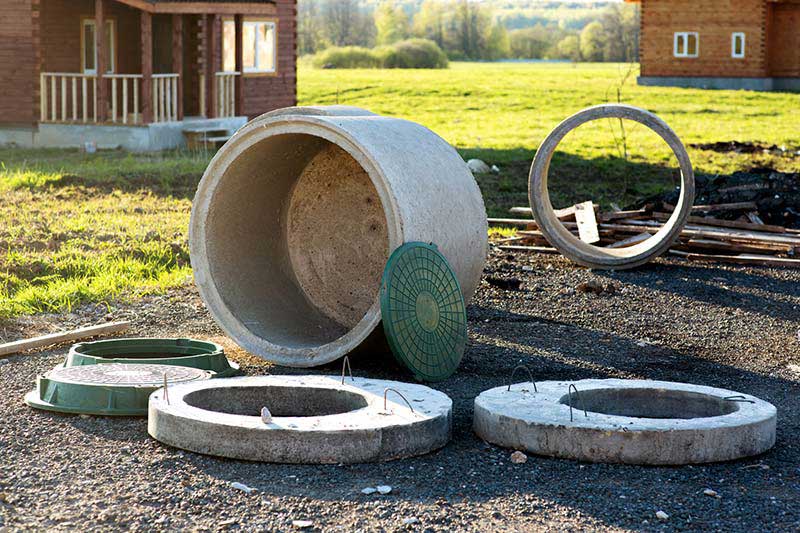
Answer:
(594, 256)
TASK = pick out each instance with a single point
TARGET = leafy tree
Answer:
(430, 21)
(498, 45)
(391, 24)
(530, 43)
(593, 42)
(346, 24)
(310, 35)
(621, 25)
(569, 48)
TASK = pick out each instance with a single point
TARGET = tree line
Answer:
(468, 30)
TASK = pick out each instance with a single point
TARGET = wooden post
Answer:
(146, 27)
(102, 58)
(238, 93)
(212, 49)
(177, 60)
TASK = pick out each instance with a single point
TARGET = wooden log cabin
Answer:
(141, 74)
(720, 44)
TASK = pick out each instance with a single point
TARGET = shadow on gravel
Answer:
(733, 288)
(468, 469)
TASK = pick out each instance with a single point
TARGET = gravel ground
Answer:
(708, 324)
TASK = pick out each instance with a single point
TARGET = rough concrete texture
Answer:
(337, 236)
(748, 84)
(287, 264)
(594, 256)
(316, 419)
(627, 421)
(143, 138)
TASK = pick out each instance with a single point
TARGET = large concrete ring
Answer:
(595, 256)
(315, 419)
(626, 421)
(297, 214)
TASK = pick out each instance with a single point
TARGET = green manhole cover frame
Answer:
(113, 389)
(193, 353)
(423, 311)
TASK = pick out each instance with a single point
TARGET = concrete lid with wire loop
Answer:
(309, 419)
(626, 421)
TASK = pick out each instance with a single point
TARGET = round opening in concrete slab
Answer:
(315, 419)
(295, 217)
(651, 403)
(626, 421)
(282, 401)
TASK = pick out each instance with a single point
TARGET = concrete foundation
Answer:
(747, 84)
(315, 419)
(626, 421)
(150, 137)
(296, 216)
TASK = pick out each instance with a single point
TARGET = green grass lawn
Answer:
(500, 112)
(77, 228)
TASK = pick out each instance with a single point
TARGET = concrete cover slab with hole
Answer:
(626, 421)
(315, 419)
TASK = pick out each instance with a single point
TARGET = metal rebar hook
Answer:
(738, 398)
(346, 363)
(166, 390)
(569, 392)
(530, 376)
(386, 392)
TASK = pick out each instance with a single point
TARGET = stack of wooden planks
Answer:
(745, 240)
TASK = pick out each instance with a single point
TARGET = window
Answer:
(687, 44)
(737, 44)
(258, 46)
(89, 46)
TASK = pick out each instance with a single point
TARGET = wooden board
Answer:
(55, 338)
(630, 241)
(742, 259)
(587, 222)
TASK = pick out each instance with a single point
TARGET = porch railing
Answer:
(226, 94)
(165, 97)
(125, 97)
(67, 97)
(72, 97)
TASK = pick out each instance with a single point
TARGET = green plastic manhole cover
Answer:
(178, 352)
(423, 311)
(106, 389)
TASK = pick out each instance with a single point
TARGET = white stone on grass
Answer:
(476, 166)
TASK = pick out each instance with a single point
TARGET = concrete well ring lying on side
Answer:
(595, 256)
(315, 419)
(626, 421)
(296, 216)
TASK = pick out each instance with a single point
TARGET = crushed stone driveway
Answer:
(718, 325)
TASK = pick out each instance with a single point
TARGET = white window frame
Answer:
(684, 35)
(112, 53)
(737, 35)
(258, 69)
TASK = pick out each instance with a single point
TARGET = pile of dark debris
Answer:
(748, 218)
(759, 196)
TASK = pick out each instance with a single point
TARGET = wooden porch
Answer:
(156, 92)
